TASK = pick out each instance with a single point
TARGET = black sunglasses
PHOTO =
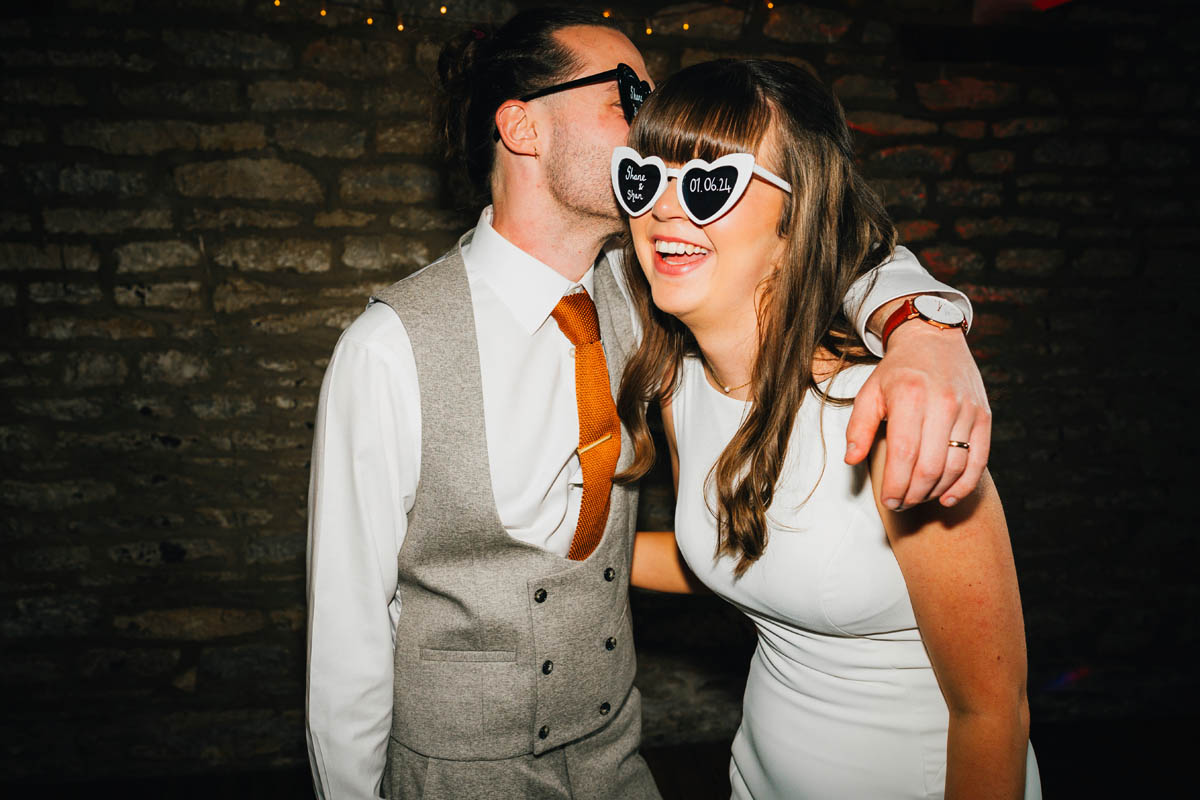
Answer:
(633, 90)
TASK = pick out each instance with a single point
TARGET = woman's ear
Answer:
(517, 128)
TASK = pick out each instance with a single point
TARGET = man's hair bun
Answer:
(456, 68)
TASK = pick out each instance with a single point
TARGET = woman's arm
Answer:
(658, 565)
(657, 562)
(958, 565)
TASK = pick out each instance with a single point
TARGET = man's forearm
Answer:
(874, 296)
(880, 316)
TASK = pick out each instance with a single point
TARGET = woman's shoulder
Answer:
(685, 379)
(849, 380)
(690, 369)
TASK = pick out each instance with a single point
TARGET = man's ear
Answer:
(517, 128)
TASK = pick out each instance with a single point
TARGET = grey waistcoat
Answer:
(502, 648)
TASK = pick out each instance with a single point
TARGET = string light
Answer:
(670, 20)
(277, 3)
(770, 5)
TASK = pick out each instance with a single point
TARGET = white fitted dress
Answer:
(841, 700)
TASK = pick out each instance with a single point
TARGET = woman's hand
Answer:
(929, 390)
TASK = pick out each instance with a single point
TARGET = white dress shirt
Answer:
(367, 462)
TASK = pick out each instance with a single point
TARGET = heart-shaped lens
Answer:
(633, 91)
(706, 192)
(637, 184)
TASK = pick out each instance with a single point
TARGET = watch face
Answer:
(938, 309)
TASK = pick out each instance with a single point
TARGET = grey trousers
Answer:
(603, 765)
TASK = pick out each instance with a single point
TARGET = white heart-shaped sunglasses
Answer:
(706, 189)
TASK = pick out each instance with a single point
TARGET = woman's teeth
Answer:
(678, 248)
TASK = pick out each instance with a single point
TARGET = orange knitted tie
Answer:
(599, 427)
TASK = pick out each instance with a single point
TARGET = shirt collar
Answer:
(528, 288)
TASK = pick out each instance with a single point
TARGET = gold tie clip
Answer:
(599, 441)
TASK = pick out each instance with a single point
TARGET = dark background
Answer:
(197, 196)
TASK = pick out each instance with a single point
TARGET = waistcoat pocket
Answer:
(432, 654)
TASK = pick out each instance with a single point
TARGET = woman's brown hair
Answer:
(835, 231)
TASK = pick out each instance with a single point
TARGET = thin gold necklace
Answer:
(721, 383)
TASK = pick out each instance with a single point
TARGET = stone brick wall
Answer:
(198, 195)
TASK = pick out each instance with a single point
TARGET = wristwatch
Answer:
(929, 308)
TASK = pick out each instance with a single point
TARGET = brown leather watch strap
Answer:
(903, 314)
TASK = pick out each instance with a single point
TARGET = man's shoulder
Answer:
(378, 337)
(376, 328)
(613, 259)
(424, 281)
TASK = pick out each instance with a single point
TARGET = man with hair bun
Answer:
(469, 555)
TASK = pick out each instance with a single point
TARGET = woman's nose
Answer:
(667, 206)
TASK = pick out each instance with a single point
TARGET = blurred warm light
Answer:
(370, 20)
(685, 26)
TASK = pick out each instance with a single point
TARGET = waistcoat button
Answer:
(610, 643)
(545, 731)
(610, 574)
(540, 595)
(604, 709)
(547, 668)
